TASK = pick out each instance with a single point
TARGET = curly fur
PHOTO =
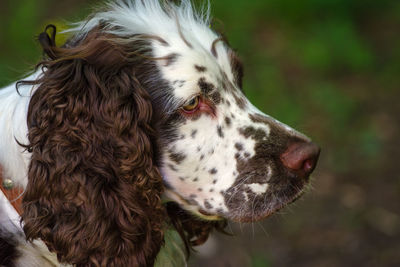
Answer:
(94, 190)
(93, 194)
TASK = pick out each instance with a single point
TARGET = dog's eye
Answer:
(192, 105)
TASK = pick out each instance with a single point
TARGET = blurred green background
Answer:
(330, 68)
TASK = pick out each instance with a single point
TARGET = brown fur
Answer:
(94, 189)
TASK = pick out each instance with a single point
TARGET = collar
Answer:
(12, 192)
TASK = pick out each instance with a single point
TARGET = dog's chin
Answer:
(275, 202)
(265, 205)
(270, 209)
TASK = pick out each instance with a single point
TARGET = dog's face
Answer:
(223, 157)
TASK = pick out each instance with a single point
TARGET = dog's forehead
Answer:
(186, 68)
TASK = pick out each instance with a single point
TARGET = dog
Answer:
(135, 127)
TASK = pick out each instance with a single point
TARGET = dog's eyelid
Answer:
(191, 98)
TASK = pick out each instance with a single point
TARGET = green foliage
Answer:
(260, 261)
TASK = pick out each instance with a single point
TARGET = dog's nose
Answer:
(301, 158)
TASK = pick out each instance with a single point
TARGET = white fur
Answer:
(14, 160)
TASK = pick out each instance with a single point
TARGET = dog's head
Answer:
(143, 97)
(221, 156)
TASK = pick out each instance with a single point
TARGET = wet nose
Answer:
(301, 158)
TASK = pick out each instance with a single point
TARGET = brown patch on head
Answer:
(240, 101)
(256, 134)
(205, 86)
(237, 68)
(216, 97)
(200, 68)
(257, 118)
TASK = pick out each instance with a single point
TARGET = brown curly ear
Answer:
(93, 194)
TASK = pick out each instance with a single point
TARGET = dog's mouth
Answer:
(255, 209)
(246, 207)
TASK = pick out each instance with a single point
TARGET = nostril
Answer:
(301, 157)
(309, 165)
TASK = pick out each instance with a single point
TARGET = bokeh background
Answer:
(330, 68)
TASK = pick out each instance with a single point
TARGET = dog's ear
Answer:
(93, 193)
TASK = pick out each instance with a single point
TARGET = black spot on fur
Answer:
(177, 157)
(212, 190)
(228, 103)
(213, 171)
(200, 189)
(171, 59)
(224, 86)
(228, 121)
(220, 133)
(214, 181)
(240, 101)
(198, 149)
(172, 167)
(200, 68)
(216, 97)
(193, 134)
(202, 157)
(247, 154)
(178, 83)
(195, 179)
(239, 146)
(257, 118)
(207, 204)
(181, 83)
(205, 87)
(256, 134)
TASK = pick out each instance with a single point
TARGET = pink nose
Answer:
(301, 158)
